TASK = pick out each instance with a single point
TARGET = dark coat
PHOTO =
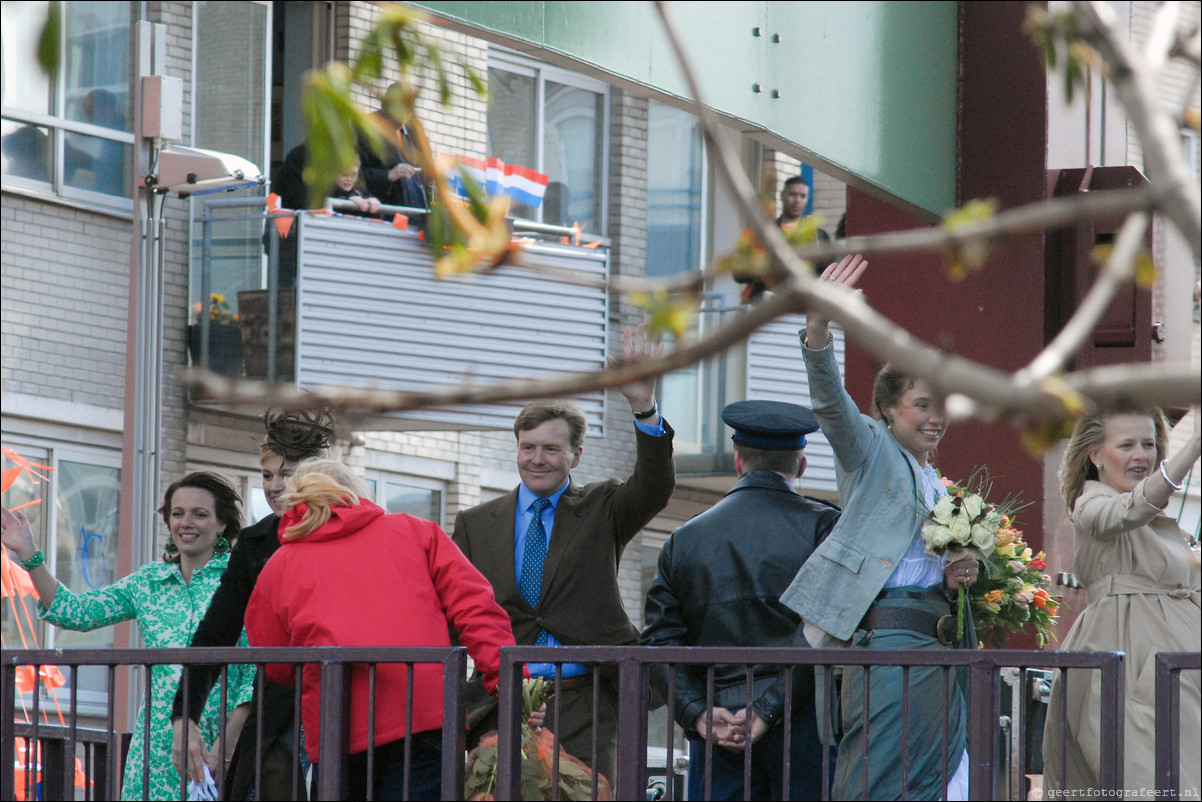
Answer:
(411, 192)
(719, 581)
(221, 626)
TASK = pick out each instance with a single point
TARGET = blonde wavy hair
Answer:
(321, 485)
(1090, 433)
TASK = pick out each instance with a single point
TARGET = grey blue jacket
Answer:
(879, 488)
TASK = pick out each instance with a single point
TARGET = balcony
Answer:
(368, 312)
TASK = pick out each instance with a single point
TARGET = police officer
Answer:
(718, 583)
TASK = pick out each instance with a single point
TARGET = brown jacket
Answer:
(580, 603)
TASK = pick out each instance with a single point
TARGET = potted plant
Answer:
(225, 337)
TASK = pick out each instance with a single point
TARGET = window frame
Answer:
(378, 478)
(59, 126)
(500, 58)
(54, 453)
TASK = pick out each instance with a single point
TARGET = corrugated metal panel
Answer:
(776, 372)
(372, 314)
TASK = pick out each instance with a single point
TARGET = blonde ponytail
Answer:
(321, 485)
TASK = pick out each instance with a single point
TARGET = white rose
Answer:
(960, 529)
(936, 537)
(982, 538)
(973, 505)
(943, 510)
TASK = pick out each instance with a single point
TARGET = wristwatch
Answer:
(649, 413)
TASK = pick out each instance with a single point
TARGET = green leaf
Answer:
(48, 42)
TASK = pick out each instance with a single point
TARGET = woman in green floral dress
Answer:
(167, 598)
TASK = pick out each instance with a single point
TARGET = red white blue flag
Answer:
(498, 178)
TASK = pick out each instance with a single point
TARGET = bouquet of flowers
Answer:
(219, 311)
(964, 523)
(1013, 592)
(538, 760)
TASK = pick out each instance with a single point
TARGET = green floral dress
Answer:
(168, 611)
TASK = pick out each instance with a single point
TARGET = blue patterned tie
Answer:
(532, 561)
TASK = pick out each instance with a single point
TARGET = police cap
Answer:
(770, 425)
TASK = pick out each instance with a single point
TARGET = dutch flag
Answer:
(494, 176)
(475, 169)
(525, 185)
(498, 178)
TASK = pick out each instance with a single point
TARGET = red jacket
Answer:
(366, 578)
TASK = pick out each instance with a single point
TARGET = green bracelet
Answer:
(33, 562)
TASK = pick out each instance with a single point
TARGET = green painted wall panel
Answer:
(867, 89)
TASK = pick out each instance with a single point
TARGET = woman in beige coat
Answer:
(1143, 582)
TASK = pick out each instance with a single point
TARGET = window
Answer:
(230, 114)
(420, 498)
(675, 191)
(70, 133)
(676, 216)
(552, 121)
(75, 522)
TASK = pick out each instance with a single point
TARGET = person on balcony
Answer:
(1143, 581)
(167, 598)
(551, 548)
(292, 436)
(393, 177)
(349, 186)
(348, 574)
(718, 583)
(794, 200)
(871, 584)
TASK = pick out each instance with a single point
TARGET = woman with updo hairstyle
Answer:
(349, 574)
(291, 436)
(1142, 578)
(872, 585)
(167, 598)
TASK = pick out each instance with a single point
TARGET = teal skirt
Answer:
(937, 719)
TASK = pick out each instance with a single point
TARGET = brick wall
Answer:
(178, 17)
(64, 284)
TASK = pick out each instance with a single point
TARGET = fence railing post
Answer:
(1168, 743)
(454, 738)
(8, 732)
(632, 729)
(335, 738)
(1111, 724)
(984, 711)
(509, 728)
(55, 784)
(1167, 778)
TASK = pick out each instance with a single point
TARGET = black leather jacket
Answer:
(719, 582)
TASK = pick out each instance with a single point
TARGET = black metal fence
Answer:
(997, 754)
(50, 753)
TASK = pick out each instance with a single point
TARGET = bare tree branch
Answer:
(1135, 86)
(1032, 397)
(1036, 217)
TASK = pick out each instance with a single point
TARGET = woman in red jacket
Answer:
(348, 574)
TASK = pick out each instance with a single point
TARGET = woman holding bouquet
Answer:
(1143, 584)
(872, 585)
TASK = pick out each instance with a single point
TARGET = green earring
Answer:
(223, 545)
